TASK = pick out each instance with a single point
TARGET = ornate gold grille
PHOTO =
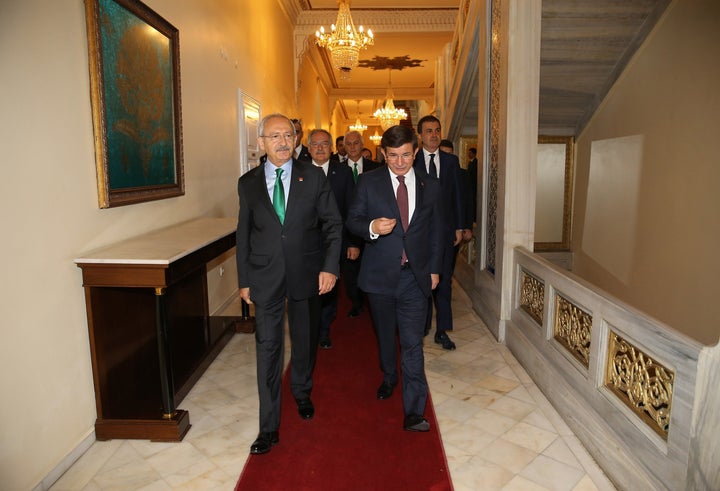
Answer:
(573, 329)
(494, 137)
(641, 383)
(532, 296)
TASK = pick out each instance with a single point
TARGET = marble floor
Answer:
(499, 431)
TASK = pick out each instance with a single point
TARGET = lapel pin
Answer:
(300, 179)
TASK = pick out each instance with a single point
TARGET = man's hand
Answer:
(458, 237)
(353, 253)
(467, 235)
(245, 295)
(326, 281)
(383, 226)
(434, 280)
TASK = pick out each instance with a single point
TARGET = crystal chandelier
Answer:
(388, 114)
(358, 126)
(376, 138)
(344, 42)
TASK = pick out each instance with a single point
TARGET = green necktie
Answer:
(355, 174)
(279, 196)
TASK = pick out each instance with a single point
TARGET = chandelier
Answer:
(388, 114)
(376, 138)
(358, 126)
(344, 42)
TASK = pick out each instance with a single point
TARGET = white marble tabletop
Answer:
(163, 246)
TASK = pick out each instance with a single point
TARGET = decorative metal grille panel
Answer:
(641, 383)
(532, 296)
(492, 194)
(573, 329)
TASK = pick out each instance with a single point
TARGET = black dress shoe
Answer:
(264, 442)
(355, 311)
(306, 410)
(415, 422)
(325, 343)
(385, 391)
(443, 339)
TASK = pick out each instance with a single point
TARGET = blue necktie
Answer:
(279, 196)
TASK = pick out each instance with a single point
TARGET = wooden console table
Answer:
(151, 335)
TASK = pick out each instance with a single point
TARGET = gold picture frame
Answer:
(134, 63)
(564, 167)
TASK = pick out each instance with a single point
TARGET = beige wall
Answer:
(646, 225)
(48, 193)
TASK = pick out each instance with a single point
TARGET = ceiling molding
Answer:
(442, 20)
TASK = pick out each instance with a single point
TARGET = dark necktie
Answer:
(402, 199)
(279, 196)
(433, 169)
(355, 172)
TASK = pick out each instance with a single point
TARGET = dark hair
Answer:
(340, 138)
(473, 150)
(426, 119)
(397, 136)
(447, 143)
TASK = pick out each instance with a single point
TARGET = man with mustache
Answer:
(288, 250)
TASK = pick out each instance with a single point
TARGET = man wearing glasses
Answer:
(288, 250)
(398, 214)
(341, 181)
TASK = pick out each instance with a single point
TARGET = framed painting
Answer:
(134, 60)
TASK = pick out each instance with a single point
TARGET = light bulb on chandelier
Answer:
(388, 114)
(358, 126)
(344, 41)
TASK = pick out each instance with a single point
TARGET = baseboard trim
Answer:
(67, 462)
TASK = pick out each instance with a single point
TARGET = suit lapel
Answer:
(297, 180)
(419, 196)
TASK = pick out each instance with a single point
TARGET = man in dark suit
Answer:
(300, 152)
(398, 213)
(350, 264)
(433, 162)
(472, 173)
(340, 155)
(343, 186)
(285, 253)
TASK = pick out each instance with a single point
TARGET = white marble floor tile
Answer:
(530, 437)
(519, 483)
(508, 455)
(512, 408)
(552, 474)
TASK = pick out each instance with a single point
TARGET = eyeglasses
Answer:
(320, 144)
(393, 157)
(276, 137)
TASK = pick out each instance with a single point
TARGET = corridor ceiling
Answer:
(585, 45)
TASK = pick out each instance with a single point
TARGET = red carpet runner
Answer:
(354, 442)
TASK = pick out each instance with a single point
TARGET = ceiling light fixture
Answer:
(388, 114)
(358, 126)
(344, 42)
(376, 138)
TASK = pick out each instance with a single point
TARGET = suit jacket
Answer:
(341, 181)
(451, 191)
(275, 259)
(380, 267)
(304, 154)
